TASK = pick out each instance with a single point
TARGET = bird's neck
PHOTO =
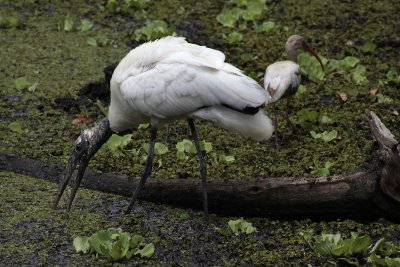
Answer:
(292, 55)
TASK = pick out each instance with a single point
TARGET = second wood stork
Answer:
(282, 78)
(170, 79)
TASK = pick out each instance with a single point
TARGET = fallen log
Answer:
(370, 191)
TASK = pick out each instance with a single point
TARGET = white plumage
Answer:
(170, 78)
(166, 80)
(282, 78)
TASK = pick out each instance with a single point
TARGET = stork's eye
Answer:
(78, 147)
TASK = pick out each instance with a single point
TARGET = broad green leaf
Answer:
(310, 66)
(325, 119)
(69, 24)
(393, 77)
(332, 65)
(15, 127)
(81, 244)
(323, 247)
(146, 252)
(247, 57)
(253, 11)
(223, 231)
(86, 25)
(348, 63)
(184, 215)
(9, 22)
(241, 226)
(367, 47)
(377, 245)
(153, 30)
(392, 262)
(226, 160)
(181, 155)
(376, 260)
(160, 149)
(329, 136)
(267, 26)
(21, 83)
(186, 146)
(33, 87)
(91, 41)
(315, 135)
(120, 245)
(228, 18)
(206, 146)
(136, 241)
(235, 37)
(359, 74)
(307, 118)
(143, 126)
(384, 99)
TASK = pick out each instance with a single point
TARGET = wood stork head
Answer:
(297, 42)
(85, 146)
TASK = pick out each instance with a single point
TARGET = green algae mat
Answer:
(50, 50)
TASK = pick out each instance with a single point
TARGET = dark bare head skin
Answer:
(85, 146)
(297, 42)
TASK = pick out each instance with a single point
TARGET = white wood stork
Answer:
(170, 79)
(282, 78)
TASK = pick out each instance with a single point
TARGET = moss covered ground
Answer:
(61, 62)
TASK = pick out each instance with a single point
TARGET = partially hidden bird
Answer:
(282, 78)
(165, 80)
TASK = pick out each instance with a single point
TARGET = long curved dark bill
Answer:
(308, 48)
(73, 162)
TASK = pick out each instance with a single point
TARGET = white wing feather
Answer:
(279, 76)
(183, 80)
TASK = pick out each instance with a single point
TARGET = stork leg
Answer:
(275, 121)
(294, 129)
(147, 169)
(203, 166)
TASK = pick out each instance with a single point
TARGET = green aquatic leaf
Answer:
(358, 74)
(367, 47)
(393, 77)
(9, 22)
(81, 244)
(310, 66)
(86, 25)
(153, 29)
(223, 231)
(384, 99)
(229, 17)
(206, 146)
(329, 136)
(325, 119)
(146, 252)
(226, 160)
(348, 63)
(267, 26)
(253, 11)
(33, 87)
(117, 143)
(323, 171)
(143, 126)
(315, 135)
(15, 127)
(241, 226)
(69, 24)
(159, 148)
(91, 41)
(235, 37)
(21, 83)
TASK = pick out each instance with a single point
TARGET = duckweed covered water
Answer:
(61, 62)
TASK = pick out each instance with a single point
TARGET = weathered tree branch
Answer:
(370, 191)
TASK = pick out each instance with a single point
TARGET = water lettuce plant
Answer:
(237, 227)
(153, 29)
(325, 136)
(323, 171)
(114, 244)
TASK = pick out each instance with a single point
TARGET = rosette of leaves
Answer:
(114, 244)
